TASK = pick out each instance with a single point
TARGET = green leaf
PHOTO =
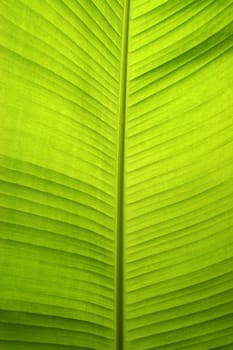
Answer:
(116, 174)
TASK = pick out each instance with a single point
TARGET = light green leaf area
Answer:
(116, 174)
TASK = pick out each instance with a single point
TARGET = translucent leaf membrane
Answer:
(60, 69)
(178, 187)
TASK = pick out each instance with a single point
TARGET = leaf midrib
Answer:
(121, 182)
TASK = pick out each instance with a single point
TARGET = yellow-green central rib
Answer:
(120, 185)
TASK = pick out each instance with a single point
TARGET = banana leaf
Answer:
(116, 174)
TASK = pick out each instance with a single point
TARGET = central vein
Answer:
(121, 180)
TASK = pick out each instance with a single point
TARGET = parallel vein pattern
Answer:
(60, 71)
(179, 176)
(116, 142)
